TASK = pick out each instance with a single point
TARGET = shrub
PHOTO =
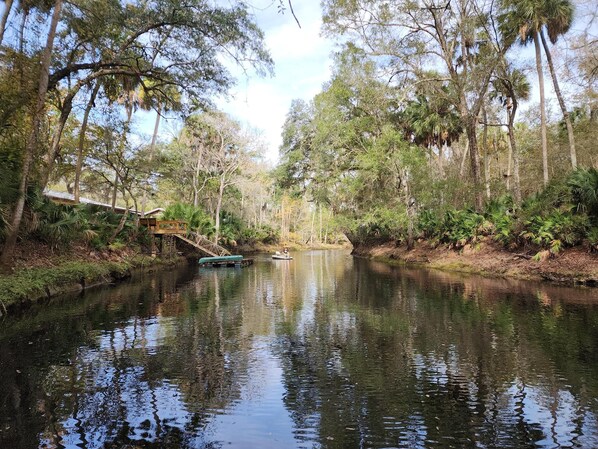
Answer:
(555, 230)
(460, 227)
(197, 219)
(583, 184)
(500, 214)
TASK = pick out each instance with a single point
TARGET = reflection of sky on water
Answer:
(316, 354)
(259, 419)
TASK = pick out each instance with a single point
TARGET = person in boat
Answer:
(285, 251)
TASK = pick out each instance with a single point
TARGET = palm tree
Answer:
(559, 14)
(525, 20)
(522, 21)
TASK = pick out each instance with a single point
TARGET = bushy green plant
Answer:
(428, 223)
(197, 219)
(556, 195)
(460, 227)
(500, 213)
(593, 238)
(557, 229)
(104, 223)
(583, 183)
(58, 225)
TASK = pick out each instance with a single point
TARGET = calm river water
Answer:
(325, 351)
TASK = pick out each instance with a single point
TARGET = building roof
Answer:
(69, 198)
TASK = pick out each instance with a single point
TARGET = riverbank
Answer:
(40, 274)
(571, 266)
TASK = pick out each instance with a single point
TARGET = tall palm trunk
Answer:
(4, 19)
(542, 109)
(559, 96)
(511, 131)
(32, 141)
(82, 133)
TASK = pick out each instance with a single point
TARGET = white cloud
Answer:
(302, 65)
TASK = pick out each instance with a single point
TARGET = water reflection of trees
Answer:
(371, 356)
(111, 378)
(412, 359)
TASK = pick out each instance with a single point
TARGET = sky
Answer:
(302, 64)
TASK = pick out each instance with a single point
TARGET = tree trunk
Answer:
(515, 151)
(151, 157)
(409, 204)
(218, 206)
(509, 167)
(559, 96)
(4, 19)
(486, 161)
(67, 107)
(114, 190)
(474, 160)
(542, 109)
(196, 178)
(82, 133)
(32, 141)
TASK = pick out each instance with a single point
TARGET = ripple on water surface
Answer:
(323, 352)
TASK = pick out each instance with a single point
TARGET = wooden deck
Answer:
(180, 230)
(162, 227)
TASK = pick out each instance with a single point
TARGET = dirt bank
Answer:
(570, 266)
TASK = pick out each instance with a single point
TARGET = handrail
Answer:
(205, 242)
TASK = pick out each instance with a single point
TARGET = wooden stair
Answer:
(204, 244)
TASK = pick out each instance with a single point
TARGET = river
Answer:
(324, 351)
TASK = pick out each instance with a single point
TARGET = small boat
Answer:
(281, 256)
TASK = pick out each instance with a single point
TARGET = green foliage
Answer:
(58, 225)
(460, 227)
(500, 214)
(554, 196)
(593, 238)
(62, 225)
(557, 229)
(264, 234)
(583, 183)
(197, 219)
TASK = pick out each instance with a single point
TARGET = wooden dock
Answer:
(226, 263)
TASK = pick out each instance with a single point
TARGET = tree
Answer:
(523, 21)
(559, 19)
(457, 36)
(231, 150)
(82, 135)
(32, 142)
(4, 18)
(132, 40)
(510, 86)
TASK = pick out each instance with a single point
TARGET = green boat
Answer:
(220, 259)
(225, 261)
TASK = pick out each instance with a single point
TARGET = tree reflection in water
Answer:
(326, 351)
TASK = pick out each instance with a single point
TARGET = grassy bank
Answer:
(33, 284)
